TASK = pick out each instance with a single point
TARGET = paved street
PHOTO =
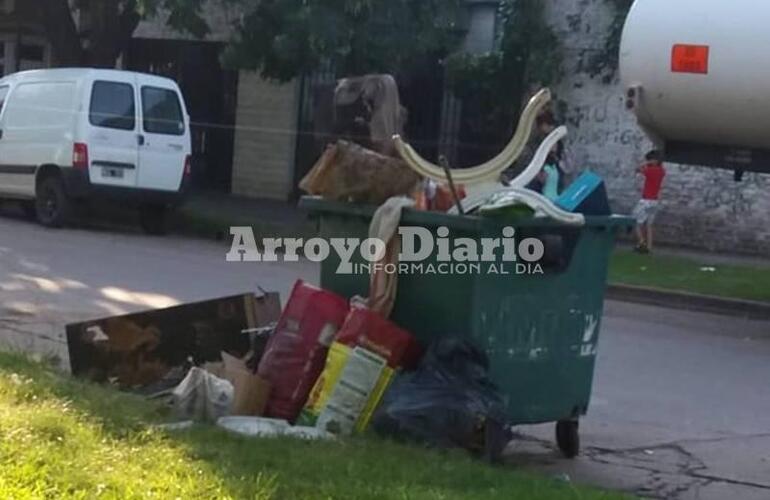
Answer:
(681, 405)
(680, 409)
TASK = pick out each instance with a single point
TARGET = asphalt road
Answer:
(681, 405)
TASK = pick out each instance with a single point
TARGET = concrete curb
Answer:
(689, 301)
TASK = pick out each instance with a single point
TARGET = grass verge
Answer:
(60, 438)
(690, 275)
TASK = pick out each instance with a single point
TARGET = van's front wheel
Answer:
(153, 219)
(52, 206)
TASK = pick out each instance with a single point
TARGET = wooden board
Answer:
(141, 348)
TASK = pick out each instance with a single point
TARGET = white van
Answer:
(70, 135)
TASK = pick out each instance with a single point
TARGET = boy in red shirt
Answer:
(648, 206)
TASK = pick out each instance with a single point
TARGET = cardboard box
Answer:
(250, 390)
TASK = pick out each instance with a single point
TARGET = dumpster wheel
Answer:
(568, 438)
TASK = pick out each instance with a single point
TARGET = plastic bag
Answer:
(254, 426)
(350, 396)
(202, 396)
(270, 428)
(379, 348)
(447, 402)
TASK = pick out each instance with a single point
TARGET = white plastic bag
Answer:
(254, 426)
(270, 428)
(202, 396)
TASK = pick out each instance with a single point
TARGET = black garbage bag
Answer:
(448, 402)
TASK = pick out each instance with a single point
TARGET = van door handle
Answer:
(140, 139)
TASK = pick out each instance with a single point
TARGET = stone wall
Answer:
(703, 207)
(265, 138)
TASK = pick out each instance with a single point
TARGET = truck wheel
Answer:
(52, 206)
(568, 438)
(152, 218)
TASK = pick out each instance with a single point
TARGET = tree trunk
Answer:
(56, 18)
(113, 24)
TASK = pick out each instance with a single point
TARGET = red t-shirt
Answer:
(653, 180)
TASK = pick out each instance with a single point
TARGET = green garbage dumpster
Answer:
(538, 323)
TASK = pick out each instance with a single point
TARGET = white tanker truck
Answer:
(697, 76)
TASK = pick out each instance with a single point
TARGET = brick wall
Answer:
(703, 207)
(265, 138)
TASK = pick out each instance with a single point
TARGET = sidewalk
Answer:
(212, 214)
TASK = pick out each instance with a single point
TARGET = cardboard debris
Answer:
(250, 390)
(139, 349)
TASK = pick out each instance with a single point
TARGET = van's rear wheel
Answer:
(52, 206)
(153, 219)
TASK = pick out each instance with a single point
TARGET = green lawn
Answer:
(60, 438)
(677, 273)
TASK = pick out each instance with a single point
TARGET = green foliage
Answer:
(527, 42)
(495, 84)
(184, 15)
(112, 24)
(285, 38)
(605, 62)
(529, 54)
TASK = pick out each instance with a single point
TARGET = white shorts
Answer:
(645, 211)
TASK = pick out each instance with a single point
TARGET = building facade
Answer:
(244, 127)
(22, 40)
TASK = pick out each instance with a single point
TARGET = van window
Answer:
(113, 106)
(162, 111)
(3, 93)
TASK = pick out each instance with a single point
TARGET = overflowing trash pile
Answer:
(319, 367)
(332, 364)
